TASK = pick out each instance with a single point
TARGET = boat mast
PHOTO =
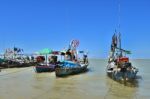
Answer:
(119, 15)
(119, 34)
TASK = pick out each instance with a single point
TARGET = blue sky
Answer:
(37, 24)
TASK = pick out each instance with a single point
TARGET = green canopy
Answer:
(125, 51)
(45, 51)
(63, 51)
(128, 52)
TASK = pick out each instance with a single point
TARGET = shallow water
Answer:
(24, 83)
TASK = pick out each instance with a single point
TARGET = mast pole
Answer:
(119, 15)
(119, 18)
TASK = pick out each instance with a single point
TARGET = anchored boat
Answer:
(72, 64)
(119, 67)
(46, 67)
(69, 68)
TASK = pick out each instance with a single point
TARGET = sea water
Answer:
(25, 83)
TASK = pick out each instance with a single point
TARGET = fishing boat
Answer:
(15, 58)
(119, 67)
(72, 65)
(46, 67)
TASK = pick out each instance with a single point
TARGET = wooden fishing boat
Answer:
(71, 63)
(121, 70)
(119, 67)
(16, 64)
(46, 67)
(14, 58)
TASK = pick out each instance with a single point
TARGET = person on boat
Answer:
(40, 59)
(28, 58)
(32, 58)
(50, 60)
(85, 60)
(73, 55)
(68, 55)
(53, 59)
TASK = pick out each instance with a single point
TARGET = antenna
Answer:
(119, 16)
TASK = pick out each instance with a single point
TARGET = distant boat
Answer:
(15, 58)
(119, 67)
(17, 63)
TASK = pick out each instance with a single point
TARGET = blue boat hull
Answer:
(40, 69)
(119, 76)
(65, 71)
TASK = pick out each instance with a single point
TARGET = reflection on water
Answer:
(24, 83)
(119, 91)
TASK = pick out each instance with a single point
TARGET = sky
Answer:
(37, 24)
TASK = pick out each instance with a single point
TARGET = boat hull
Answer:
(119, 75)
(17, 65)
(40, 69)
(65, 71)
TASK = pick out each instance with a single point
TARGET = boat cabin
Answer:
(123, 59)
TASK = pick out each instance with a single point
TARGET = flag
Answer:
(15, 49)
(18, 50)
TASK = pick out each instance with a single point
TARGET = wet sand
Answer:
(24, 83)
